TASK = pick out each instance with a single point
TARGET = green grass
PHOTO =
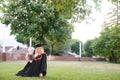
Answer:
(65, 70)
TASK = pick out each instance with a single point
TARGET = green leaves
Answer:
(38, 20)
(88, 48)
(107, 44)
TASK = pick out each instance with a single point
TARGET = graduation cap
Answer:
(39, 45)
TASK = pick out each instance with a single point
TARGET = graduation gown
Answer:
(34, 68)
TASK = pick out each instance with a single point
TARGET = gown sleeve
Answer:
(43, 66)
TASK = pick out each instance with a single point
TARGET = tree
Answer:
(107, 45)
(24, 17)
(88, 48)
(75, 46)
(65, 7)
(36, 19)
(76, 10)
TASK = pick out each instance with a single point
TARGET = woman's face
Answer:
(40, 50)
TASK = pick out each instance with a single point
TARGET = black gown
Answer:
(34, 68)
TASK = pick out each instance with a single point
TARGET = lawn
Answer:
(65, 70)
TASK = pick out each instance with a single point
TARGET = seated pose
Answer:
(38, 66)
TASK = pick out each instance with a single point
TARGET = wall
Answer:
(72, 58)
(17, 56)
(11, 56)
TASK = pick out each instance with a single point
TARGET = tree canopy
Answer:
(107, 45)
(35, 19)
(75, 46)
(88, 48)
(76, 10)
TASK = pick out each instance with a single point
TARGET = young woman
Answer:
(38, 66)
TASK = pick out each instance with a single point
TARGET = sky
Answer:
(6, 39)
(85, 31)
(82, 31)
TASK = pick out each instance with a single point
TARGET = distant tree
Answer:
(88, 48)
(75, 46)
(107, 45)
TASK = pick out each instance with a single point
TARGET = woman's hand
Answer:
(41, 75)
(27, 58)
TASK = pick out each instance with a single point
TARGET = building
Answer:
(113, 16)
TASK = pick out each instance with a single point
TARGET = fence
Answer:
(17, 56)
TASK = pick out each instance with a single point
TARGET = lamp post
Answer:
(30, 45)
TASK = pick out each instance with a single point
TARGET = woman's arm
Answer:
(38, 58)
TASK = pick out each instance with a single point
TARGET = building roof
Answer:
(16, 50)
